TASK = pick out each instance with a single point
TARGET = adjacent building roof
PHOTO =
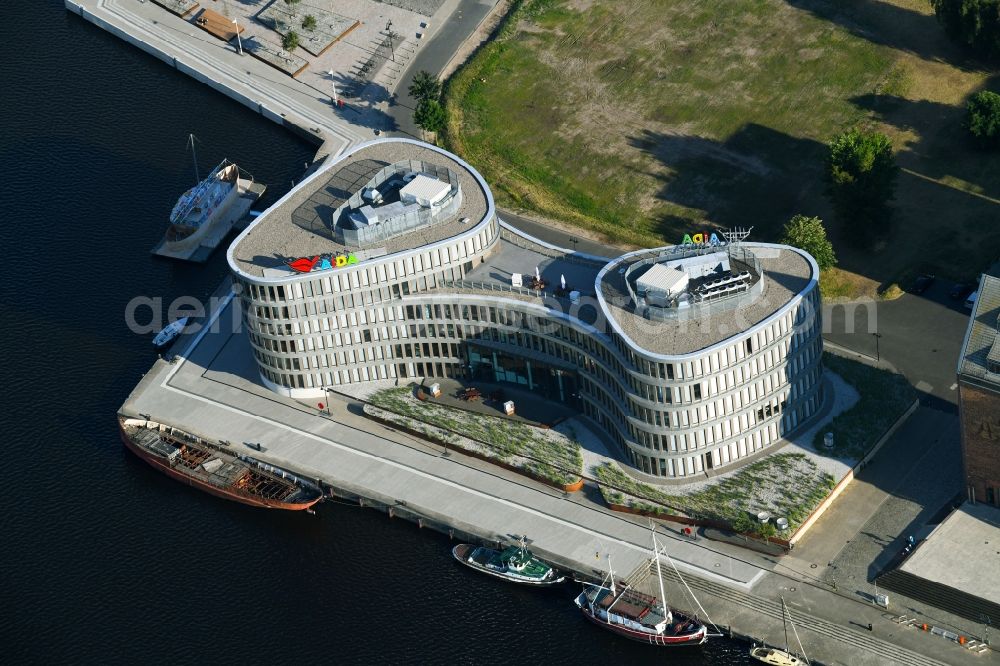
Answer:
(974, 360)
(973, 531)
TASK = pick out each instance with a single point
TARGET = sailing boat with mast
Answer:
(204, 214)
(776, 657)
(638, 616)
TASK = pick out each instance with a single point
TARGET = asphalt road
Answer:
(433, 56)
(919, 335)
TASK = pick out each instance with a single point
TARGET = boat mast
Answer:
(659, 574)
(784, 622)
(194, 156)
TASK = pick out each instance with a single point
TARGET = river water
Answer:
(106, 560)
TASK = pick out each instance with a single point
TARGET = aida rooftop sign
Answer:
(702, 239)
(322, 262)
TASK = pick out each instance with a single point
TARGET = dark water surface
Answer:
(103, 558)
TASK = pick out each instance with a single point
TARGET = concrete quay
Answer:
(210, 389)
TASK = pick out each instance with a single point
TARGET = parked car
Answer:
(961, 290)
(970, 302)
(921, 284)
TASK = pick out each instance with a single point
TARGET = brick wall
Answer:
(980, 418)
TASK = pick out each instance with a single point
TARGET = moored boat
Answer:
(208, 467)
(205, 213)
(169, 333)
(774, 656)
(777, 657)
(640, 617)
(515, 563)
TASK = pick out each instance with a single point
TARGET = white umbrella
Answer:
(538, 276)
(562, 280)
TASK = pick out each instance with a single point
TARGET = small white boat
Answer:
(169, 333)
(775, 656)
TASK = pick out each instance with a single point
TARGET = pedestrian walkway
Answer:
(253, 83)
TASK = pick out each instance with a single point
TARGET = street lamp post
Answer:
(877, 336)
(239, 42)
(388, 29)
(326, 399)
(574, 241)
(333, 84)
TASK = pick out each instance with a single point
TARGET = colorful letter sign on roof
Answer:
(322, 263)
(702, 239)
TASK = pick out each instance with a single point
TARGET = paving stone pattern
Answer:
(330, 26)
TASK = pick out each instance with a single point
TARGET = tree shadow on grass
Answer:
(943, 146)
(758, 177)
(949, 188)
(896, 27)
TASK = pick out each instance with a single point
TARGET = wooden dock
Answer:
(217, 25)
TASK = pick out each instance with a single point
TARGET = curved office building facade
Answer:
(689, 357)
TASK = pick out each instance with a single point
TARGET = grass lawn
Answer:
(884, 397)
(644, 120)
(785, 485)
(547, 453)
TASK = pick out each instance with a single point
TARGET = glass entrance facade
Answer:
(552, 383)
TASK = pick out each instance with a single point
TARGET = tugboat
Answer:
(515, 563)
(206, 466)
(776, 657)
(637, 616)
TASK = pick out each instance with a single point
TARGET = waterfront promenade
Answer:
(302, 108)
(211, 390)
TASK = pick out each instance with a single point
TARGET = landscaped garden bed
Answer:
(784, 485)
(550, 455)
(885, 396)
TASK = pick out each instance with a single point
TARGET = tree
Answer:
(808, 233)
(983, 118)
(861, 180)
(972, 23)
(291, 5)
(290, 41)
(309, 22)
(743, 523)
(425, 86)
(429, 116)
